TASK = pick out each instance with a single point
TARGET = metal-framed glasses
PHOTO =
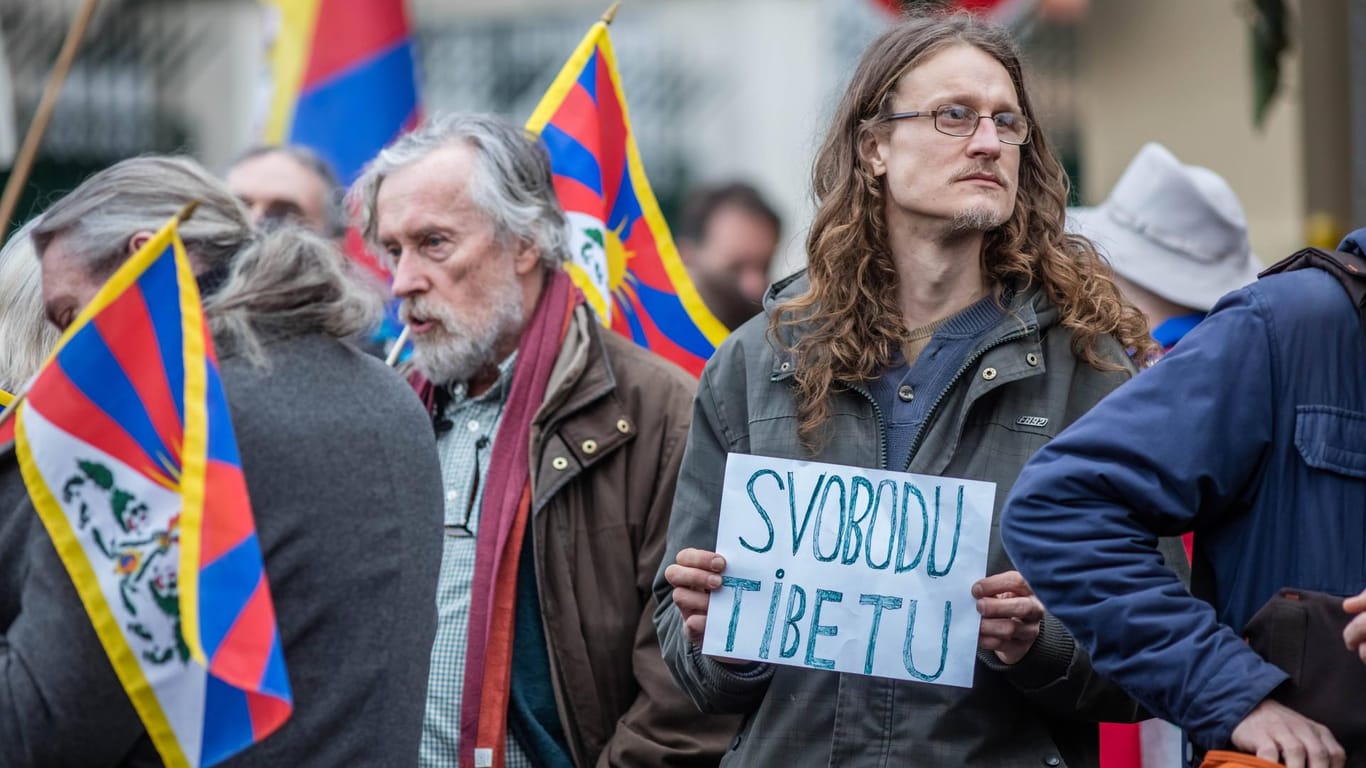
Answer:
(961, 121)
(462, 530)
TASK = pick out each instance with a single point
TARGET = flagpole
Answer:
(24, 162)
(611, 13)
(184, 214)
(392, 359)
(13, 408)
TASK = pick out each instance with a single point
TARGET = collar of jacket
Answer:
(580, 410)
(1029, 312)
(580, 406)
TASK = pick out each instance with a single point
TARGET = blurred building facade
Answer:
(744, 88)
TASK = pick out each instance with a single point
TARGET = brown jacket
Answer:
(605, 447)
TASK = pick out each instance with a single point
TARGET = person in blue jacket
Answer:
(1252, 433)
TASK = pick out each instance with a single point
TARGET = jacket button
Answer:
(1032, 359)
(1052, 761)
(906, 393)
(560, 463)
(989, 373)
(590, 447)
(623, 426)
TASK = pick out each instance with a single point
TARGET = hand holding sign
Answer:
(694, 576)
(1010, 615)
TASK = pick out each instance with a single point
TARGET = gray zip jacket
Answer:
(1017, 389)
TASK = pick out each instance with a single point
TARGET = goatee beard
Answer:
(973, 221)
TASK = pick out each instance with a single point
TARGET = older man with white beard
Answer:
(560, 446)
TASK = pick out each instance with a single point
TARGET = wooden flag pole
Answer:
(184, 214)
(13, 408)
(611, 13)
(23, 163)
(392, 359)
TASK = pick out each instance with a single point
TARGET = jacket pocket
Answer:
(1332, 439)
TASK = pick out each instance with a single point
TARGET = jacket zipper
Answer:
(881, 425)
(934, 409)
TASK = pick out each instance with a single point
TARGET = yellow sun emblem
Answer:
(598, 265)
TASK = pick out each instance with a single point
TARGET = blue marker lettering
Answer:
(799, 533)
(891, 527)
(741, 586)
(901, 565)
(768, 522)
(853, 540)
(934, 545)
(820, 513)
(793, 593)
(878, 602)
(772, 614)
(818, 630)
(907, 655)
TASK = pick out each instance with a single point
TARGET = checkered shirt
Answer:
(464, 450)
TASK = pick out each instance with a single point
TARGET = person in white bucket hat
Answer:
(1176, 236)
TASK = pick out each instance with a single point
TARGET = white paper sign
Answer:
(850, 569)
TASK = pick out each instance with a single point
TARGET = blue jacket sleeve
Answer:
(1175, 449)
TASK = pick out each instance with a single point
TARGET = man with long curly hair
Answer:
(946, 325)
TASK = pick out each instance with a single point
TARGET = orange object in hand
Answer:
(1221, 759)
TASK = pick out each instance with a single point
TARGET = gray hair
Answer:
(97, 220)
(512, 184)
(287, 281)
(26, 338)
(292, 281)
(334, 208)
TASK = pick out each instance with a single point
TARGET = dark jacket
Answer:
(605, 449)
(1026, 715)
(1252, 433)
(15, 518)
(346, 490)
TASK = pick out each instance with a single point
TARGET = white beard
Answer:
(454, 353)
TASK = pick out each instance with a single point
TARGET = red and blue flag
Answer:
(344, 85)
(344, 81)
(126, 445)
(6, 425)
(622, 255)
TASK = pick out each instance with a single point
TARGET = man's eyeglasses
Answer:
(958, 120)
(462, 529)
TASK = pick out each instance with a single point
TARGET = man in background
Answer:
(289, 183)
(292, 184)
(727, 236)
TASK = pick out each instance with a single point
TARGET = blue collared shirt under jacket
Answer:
(1252, 433)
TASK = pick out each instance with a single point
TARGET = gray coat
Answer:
(342, 471)
(1032, 714)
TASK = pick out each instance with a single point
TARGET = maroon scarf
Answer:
(503, 518)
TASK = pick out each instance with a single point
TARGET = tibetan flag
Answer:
(126, 446)
(6, 425)
(344, 86)
(343, 78)
(622, 256)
